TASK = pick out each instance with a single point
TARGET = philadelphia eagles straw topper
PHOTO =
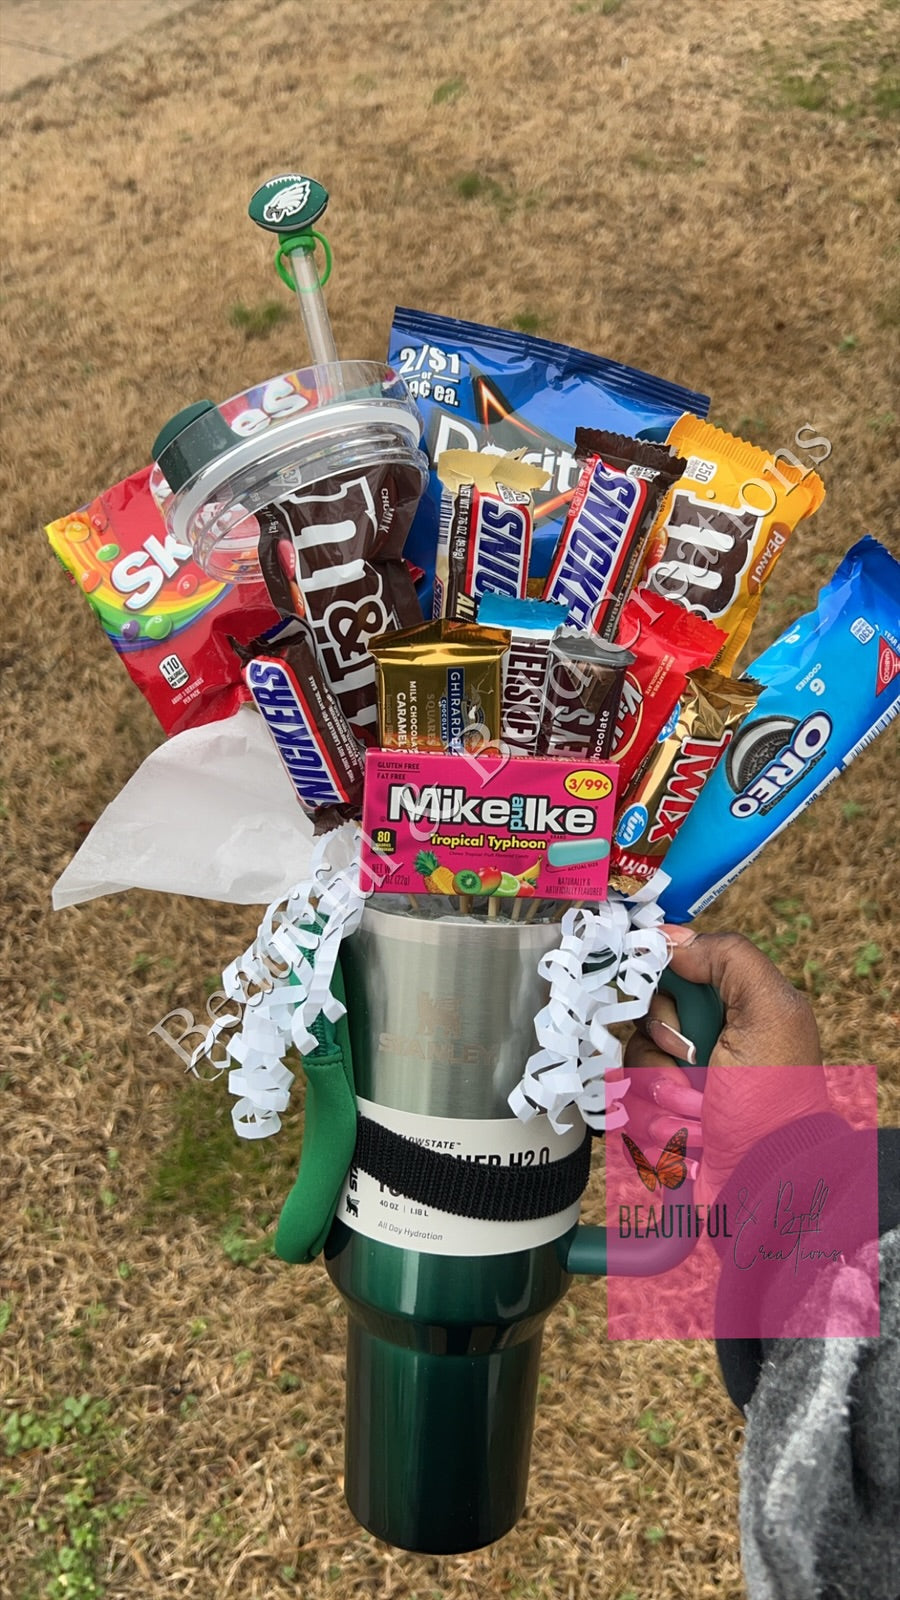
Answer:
(290, 203)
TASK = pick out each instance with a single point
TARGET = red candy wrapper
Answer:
(169, 622)
(667, 643)
(653, 809)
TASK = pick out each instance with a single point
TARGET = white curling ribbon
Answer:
(264, 1074)
(519, 1103)
(231, 982)
(562, 1080)
(282, 1004)
(260, 1032)
(283, 981)
(253, 1122)
(605, 971)
(647, 916)
(259, 1089)
(650, 892)
(220, 1026)
(235, 1048)
(300, 1035)
(284, 942)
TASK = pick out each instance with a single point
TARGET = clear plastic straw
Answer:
(313, 308)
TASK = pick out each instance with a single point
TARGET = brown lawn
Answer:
(705, 191)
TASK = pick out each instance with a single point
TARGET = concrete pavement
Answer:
(40, 37)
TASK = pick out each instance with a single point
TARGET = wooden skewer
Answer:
(465, 905)
(564, 906)
(532, 911)
(517, 909)
(493, 908)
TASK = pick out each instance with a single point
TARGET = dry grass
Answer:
(702, 191)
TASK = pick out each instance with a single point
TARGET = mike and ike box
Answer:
(518, 827)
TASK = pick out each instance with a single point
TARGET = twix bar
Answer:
(674, 774)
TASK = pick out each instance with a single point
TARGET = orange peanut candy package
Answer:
(723, 526)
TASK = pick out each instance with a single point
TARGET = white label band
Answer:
(371, 1208)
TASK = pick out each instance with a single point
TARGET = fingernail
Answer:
(673, 1042)
(676, 1098)
(677, 935)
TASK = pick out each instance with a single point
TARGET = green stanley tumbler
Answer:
(446, 1313)
(444, 1343)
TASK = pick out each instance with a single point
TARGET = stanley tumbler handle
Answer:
(701, 1015)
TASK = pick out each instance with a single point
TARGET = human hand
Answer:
(769, 1026)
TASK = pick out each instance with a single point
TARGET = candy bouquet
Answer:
(488, 682)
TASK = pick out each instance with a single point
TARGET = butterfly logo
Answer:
(670, 1170)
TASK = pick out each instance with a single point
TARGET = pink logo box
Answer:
(508, 826)
(787, 1249)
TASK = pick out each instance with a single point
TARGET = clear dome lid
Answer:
(216, 466)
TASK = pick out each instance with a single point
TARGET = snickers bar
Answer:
(484, 539)
(311, 734)
(601, 548)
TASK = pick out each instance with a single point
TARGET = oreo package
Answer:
(489, 389)
(831, 684)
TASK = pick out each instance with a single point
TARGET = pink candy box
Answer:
(521, 826)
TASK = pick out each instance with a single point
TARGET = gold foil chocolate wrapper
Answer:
(674, 773)
(439, 687)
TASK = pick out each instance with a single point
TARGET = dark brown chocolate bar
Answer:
(581, 695)
(330, 552)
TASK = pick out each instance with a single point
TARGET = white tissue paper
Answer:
(211, 813)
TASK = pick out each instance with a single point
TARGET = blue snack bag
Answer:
(482, 388)
(831, 684)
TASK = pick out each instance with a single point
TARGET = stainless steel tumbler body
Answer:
(446, 1020)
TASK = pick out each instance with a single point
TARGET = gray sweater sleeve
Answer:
(820, 1471)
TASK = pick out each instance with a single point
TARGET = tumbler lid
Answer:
(189, 441)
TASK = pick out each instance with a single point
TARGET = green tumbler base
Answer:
(438, 1446)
